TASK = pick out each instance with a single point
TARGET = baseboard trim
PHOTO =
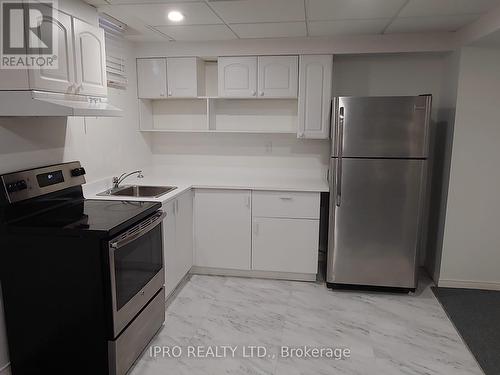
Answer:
(196, 270)
(173, 294)
(468, 284)
(5, 369)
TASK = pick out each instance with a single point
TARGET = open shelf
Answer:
(217, 115)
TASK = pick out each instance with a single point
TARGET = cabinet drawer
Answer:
(285, 204)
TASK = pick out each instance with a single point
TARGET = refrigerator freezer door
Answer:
(378, 127)
(375, 222)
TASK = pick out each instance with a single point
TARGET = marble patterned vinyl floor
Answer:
(387, 334)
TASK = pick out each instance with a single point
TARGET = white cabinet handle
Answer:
(262, 93)
(254, 93)
(256, 228)
(301, 134)
(162, 94)
(170, 93)
(286, 198)
(248, 202)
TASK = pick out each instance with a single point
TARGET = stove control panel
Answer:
(32, 183)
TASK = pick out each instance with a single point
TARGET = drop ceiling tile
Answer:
(254, 11)
(416, 8)
(197, 32)
(156, 14)
(324, 10)
(347, 27)
(270, 30)
(429, 24)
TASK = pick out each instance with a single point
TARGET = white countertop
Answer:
(157, 177)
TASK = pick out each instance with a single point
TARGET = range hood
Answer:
(41, 103)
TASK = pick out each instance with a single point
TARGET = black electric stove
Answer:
(80, 278)
(86, 215)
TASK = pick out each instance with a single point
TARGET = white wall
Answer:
(105, 146)
(259, 155)
(441, 141)
(471, 255)
(390, 74)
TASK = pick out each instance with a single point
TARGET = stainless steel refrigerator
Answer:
(377, 190)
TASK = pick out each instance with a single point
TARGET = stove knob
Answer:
(77, 172)
(17, 186)
(21, 185)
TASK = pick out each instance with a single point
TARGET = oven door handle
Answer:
(138, 230)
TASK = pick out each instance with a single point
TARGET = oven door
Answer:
(136, 266)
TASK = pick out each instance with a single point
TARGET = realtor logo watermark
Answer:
(29, 34)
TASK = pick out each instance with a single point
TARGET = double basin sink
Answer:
(138, 191)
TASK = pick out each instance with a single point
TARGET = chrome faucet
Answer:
(118, 180)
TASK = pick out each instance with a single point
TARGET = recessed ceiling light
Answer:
(175, 16)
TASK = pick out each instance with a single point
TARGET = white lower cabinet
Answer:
(285, 245)
(281, 236)
(169, 246)
(222, 227)
(178, 240)
(184, 232)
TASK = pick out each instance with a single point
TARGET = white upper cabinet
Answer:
(237, 77)
(173, 77)
(152, 78)
(263, 76)
(315, 94)
(278, 76)
(81, 59)
(61, 79)
(185, 77)
(90, 54)
(222, 222)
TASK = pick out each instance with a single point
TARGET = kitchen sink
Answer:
(139, 191)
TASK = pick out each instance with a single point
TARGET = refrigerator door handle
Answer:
(340, 145)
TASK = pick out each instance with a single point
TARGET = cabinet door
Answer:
(315, 96)
(222, 228)
(184, 232)
(237, 77)
(278, 76)
(184, 77)
(90, 56)
(151, 78)
(285, 245)
(170, 257)
(61, 79)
